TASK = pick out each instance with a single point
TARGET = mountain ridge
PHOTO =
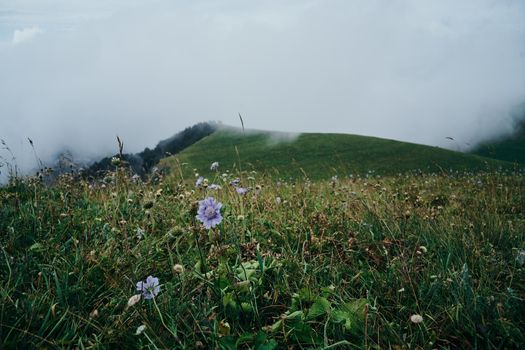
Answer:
(317, 155)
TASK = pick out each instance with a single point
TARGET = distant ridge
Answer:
(320, 156)
(142, 163)
(510, 148)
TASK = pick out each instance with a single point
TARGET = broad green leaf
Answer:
(320, 307)
(228, 343)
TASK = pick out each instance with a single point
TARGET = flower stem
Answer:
(164, 324)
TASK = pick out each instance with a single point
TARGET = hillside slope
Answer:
(511, 149)
(319, 155)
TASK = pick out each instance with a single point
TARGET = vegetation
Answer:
(511, 148)
(320, 156)
(405, 261)
(143, 162)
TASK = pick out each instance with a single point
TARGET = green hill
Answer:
(511, 149)
(319, 156)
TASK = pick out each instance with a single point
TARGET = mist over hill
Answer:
(509, 147)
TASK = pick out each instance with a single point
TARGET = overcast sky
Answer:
(73, 74)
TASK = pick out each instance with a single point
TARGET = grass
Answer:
(294, 264)
(320, 156)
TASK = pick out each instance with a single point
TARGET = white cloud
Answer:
(25, 34)
(404, 69)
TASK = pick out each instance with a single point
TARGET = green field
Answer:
(319, 156)
(346, 264)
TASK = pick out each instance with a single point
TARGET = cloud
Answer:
(25, 34)
(408, 70)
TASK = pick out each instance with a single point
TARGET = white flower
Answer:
(520, 258)
(214, 166)
(178, 268)
(416, 319)
(140, 233)
(140, 329)
(133, 300)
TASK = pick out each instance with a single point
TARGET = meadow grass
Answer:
(298, 265)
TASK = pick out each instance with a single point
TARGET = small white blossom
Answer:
(520, 258)
(416, 319)
(140, 329)
(178, 268)
(133, 300)
(140, 233)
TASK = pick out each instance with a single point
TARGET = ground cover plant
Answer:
(242, 261)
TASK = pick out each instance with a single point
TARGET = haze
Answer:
(73, 74)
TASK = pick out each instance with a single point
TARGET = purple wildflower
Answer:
(214, 187)
(241, 190)
(214, 166)
(235, 182)
(199, 181)
(209, 212)
(149, 288)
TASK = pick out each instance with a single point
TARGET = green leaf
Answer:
(321, 306)
(277, 326)
(352, 315)
(227, 300)
(246, 307)
(304, 333)
(228, 343)
(263, 343)
(270, 345)
(37, 247)
(296, 315)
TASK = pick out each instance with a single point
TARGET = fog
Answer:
(74, 74)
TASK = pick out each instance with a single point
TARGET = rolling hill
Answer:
(511, 148)
(318, 156)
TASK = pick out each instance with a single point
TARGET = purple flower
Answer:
(241, 190)
(209, 212)
(199, 181)
(235, 182)
(149, 288)
(214, 187)
(214, 166)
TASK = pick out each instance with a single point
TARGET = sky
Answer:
(74, 74)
